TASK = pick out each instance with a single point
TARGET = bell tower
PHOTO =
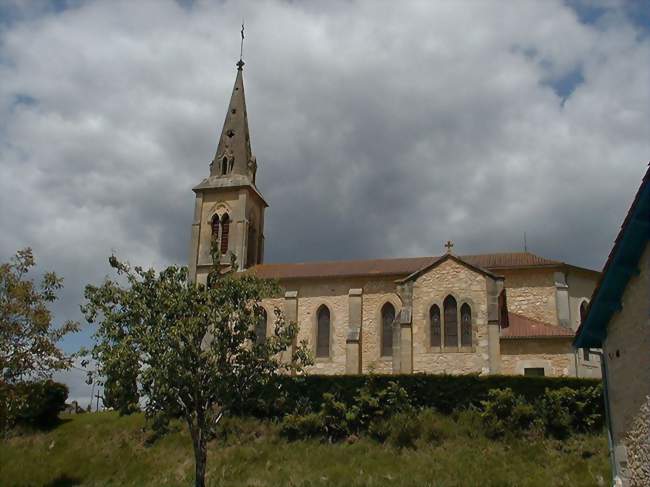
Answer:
(229, 209)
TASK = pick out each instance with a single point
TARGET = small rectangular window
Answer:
(534, 371)
(585, 354)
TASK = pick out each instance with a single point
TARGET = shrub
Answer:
(444, 393)
(335, 417)
(34, 404)
(431, 430)
(565, 410)
(404, 430)
(300, 427)
(505, 412)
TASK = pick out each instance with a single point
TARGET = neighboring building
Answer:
(512, 313)
(618, 321)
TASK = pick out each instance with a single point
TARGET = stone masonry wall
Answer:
(628, 368)
(554, 355)
(467, 286)
(531, 292)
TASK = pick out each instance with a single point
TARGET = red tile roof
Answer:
(524, 327)
(396, 267)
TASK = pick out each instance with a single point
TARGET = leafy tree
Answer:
(196, 349)
(28, 336)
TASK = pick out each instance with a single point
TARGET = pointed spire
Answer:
(234, 155)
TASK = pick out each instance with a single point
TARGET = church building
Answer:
(503, 313)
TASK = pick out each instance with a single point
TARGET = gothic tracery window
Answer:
(451, 321)
(434, 323)
(323, 332)
(465, 325)
(225, 228)
(387, 318)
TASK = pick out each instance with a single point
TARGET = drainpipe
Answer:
(608, 419)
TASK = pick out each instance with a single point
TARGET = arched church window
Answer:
(260, 328)
(225, 229)
(387, 319)
(323, 332)
(224, 166)
(465, 325)
(451, 322)
(252, 245)
(434, 322)
(215, 226)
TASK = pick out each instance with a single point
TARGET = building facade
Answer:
(618, 321)
(510, 313)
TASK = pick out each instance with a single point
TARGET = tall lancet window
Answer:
(323, 332)
(451, 322)
(387, 318)
(215, 227)
(225, 228)
(465, 325)
(434, 321)
(224, 166)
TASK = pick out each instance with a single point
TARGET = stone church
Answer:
(504, 313)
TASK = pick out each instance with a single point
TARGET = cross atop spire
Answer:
(449, 245)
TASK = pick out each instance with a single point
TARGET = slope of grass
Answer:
(104, 449)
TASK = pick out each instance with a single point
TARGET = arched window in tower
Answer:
(260, 329)
(215, 227)
(225, 228)
(434, 323)
(323, 332)
(224, 166)
(465, 325)
(451, 322)
(387, 318)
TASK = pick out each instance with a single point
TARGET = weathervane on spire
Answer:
(240, 63)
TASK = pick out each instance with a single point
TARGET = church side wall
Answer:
(628, 377)
(531, 292)
(554, 355)
(467, 286)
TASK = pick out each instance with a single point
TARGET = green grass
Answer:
(104, 449)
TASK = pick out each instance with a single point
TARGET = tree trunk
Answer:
(200, 454)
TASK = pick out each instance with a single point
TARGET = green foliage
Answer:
(121, 388)
(302, 426)
(40, 402)
(559, 413)
(444, 393)
(505, 412)
(194, 350)
(565, 411)
(28, 336)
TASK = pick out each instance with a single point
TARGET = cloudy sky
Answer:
(381, 129)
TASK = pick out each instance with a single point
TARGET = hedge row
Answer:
(35, 404)
(444, 393)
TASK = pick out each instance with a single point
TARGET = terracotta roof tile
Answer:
(524, 327)
(395, 267)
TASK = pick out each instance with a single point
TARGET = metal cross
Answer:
(449, 246)
(241, 48)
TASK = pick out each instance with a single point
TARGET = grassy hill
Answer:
(104, 449)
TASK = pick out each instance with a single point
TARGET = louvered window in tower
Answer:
(387, 318)
(225, 228)
(434, 323)
(465, 325)
(323, 332)
(451, 322)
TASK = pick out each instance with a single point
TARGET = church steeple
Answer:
(234, 156)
